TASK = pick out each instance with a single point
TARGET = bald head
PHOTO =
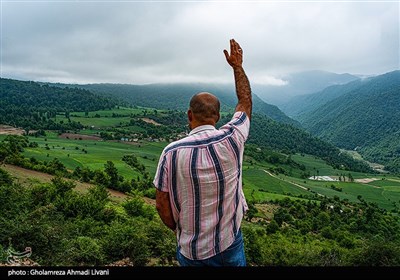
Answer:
(205, 107)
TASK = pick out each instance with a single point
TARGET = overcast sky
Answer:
(150, 42)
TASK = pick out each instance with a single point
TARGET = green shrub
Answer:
(3, 254)
(5, 178)
(83, 250)
(127, 239)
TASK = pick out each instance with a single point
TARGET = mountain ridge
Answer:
(362, 119)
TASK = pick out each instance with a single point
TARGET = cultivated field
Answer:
(94, 153)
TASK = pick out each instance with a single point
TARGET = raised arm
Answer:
(243, 90)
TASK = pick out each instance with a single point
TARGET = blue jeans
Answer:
(232, 256)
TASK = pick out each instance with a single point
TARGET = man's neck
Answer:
(197, 124)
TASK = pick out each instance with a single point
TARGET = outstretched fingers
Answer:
(232, 41)
(226, 54)
(234, 58)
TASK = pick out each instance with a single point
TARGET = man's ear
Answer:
(190, 115)
(218, 117)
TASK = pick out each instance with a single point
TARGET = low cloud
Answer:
(140, 42)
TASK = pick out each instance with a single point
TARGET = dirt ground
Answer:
(365, 180)
(74, 136)
(9, 130)
(150, 121)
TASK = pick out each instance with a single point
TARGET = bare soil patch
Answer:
(75, 136)
(9, 130)
(151, 121)
(267, 210)
(126, 142)
(365, 180)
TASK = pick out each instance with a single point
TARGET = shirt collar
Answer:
(202, 128)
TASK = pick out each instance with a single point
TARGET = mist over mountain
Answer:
(299, 84)
(302, 104)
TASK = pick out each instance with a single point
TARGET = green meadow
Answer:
(107, 118)
(72, 153)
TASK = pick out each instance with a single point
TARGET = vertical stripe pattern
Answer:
(221, 183)
(196, 191)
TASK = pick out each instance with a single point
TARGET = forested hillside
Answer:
(177, 96)
(266, 132)
(364, 119)
(32, 106)
(303, 104)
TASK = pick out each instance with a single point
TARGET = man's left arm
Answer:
(164, 209)
(161, 182)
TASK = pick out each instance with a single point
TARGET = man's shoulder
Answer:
(178, 143)
(240, 116)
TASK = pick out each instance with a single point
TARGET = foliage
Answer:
(64, 227)
(127, 239)
(331, 233)
(136, 207)
(83, 251)
(364, 118)
(31, 105)
(5, 178)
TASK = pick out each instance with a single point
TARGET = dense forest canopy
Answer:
(363, 119)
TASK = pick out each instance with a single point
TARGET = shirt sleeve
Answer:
(241, 125)
(161, 179)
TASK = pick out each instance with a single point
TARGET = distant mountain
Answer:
(366, 118)
(177, 96)
(301, 83)
(303, 104)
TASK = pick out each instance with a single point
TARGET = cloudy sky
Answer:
(148, 42)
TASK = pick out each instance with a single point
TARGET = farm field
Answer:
(94, 153)
(98, 120)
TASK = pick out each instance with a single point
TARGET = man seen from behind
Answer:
(199, 178)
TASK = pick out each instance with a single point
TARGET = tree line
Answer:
(31, 105)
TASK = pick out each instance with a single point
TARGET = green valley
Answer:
(309, 202)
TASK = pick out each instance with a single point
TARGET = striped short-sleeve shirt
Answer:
(203, 175)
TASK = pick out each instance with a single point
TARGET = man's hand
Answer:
(235, 59)
(243, 90)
